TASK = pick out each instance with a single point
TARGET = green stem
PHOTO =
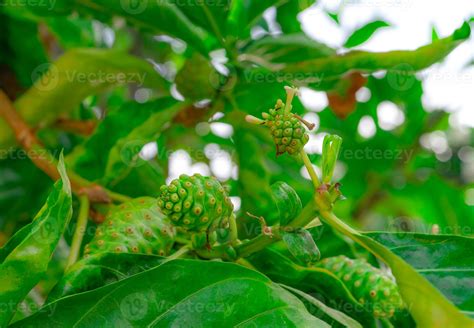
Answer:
(307, 215)
(213, 253)
(234, 237)
(80, 230)
(182, 240)
(118, 197)
(256, 244)
(309, 166)
(260, 242)
(179, 253)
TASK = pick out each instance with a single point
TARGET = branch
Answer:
(84, 128)
(45, 161)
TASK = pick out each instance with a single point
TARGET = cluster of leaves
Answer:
(169, 73)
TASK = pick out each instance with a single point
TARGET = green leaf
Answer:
(157, 16)
(301, 245)
(243, 15)
(22, 49)
(210, 15)
(328, 68)
(434, 310)
(73, 32)
(434, 34)
(24, 259)
(288, 203)
(63, 85)
(364, 33)
(254, 181)
(23, 190)
(100, 270)
(111, 151)
(277, 265)
(334, 314)
(331, 147)
(289, 48)
(445, 260)
(124, 155)
(173, 295)
(287, 15)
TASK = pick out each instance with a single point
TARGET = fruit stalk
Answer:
(80, 230)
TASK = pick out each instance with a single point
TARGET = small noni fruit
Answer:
(196, 203)
(137, 226)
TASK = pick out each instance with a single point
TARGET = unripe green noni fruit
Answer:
(196, 203)
(137, 226)
(193, 80)
(371, 286)
(287, 130)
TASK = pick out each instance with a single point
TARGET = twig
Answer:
(80, 230)
(45, 161)
(83, 128)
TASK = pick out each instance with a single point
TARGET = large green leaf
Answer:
(445, 260)
(62, 86)
(277, 265)
(289, 48)
(334, 314)
(210, 15)
(287, 15)
(244, 14)
(157, 16)
(100, 270)
(435, 310)
(364, 33)
(328, 68)
(172, 294)
(24, 259)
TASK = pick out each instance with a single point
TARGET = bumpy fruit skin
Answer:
(287, 131)
(196, 203)
(137, 226)
(369, 285)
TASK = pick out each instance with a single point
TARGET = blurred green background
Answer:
(407, 161)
